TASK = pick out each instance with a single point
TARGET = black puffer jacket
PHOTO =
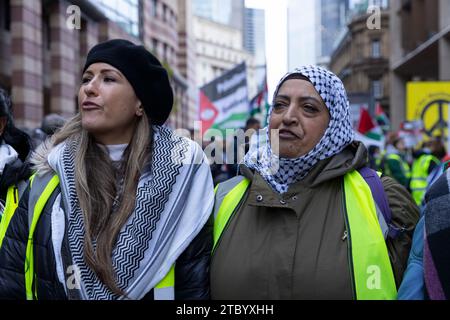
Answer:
(13, 174)
(191, 279)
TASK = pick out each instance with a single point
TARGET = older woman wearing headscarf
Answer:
(302, 221)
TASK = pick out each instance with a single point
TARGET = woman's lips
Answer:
(287, 134)
(89, 106)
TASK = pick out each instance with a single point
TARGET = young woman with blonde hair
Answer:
(128, 214)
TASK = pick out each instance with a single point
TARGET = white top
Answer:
(116, 151)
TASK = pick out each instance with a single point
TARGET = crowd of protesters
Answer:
(307, 217)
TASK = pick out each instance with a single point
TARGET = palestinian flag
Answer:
(259, 103)
(368, 127)
(381, 118)
(224, 101)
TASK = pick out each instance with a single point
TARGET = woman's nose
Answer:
(90, 88)
(290, 117)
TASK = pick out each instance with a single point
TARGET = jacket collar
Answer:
(261, 193)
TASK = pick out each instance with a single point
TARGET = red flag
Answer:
(365, 122)
(208, 112)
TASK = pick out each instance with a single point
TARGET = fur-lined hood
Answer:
(39, 157)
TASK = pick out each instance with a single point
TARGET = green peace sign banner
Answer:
(428, 102)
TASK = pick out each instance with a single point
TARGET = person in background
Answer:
(15, 148)
(428, 273)
(49, 125)
(394, 163)
(119, 205)
(426, 167)
(374, 155)
(300, 221)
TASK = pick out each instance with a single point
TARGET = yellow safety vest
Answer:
(11, 204)
(372, 274)
(404, 164)
(419, 175)
(164, 290)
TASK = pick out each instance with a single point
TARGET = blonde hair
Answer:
(97, 194)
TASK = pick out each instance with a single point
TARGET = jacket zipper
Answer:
(347, 235)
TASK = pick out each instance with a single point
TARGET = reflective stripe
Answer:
(11, 203)
(222, 190)
(22, 186)
(164, 293)
(38, 200)
(372, 270)
(227, 206)
(165, 289)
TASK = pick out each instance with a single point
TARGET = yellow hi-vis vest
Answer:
(13, 196)
(164, 290)
(372, 275)
(419, 175)
(11, 203)
(405, 167)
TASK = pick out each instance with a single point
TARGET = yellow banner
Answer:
(428, 101)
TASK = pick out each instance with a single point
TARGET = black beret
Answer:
(143, 71)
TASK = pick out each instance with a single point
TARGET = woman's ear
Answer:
(139, 111)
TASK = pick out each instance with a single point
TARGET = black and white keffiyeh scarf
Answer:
(282, 172)
(169, 213)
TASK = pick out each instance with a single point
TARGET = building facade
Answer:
(219, 49)
(420, 47)
(255, 42)
(187, 58)
(361, 61)
(228, 12)
(313, 29)
(43, 45)
(333, 20)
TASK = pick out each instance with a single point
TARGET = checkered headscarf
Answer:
(282, 172)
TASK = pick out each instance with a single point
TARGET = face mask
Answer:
(426, 150)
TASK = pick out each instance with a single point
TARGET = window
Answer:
(164, 14)
(46, 30)
(175, 20)
(377, 89)
(124, 12)
(376, 49)
(154, 8)
(165, 52)
(5, 15)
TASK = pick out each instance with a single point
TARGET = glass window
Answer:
(164, 14)
(153, 8)
(376, 49)
(5, 15)
(165, 53)
(377, 89)
(124, 12)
